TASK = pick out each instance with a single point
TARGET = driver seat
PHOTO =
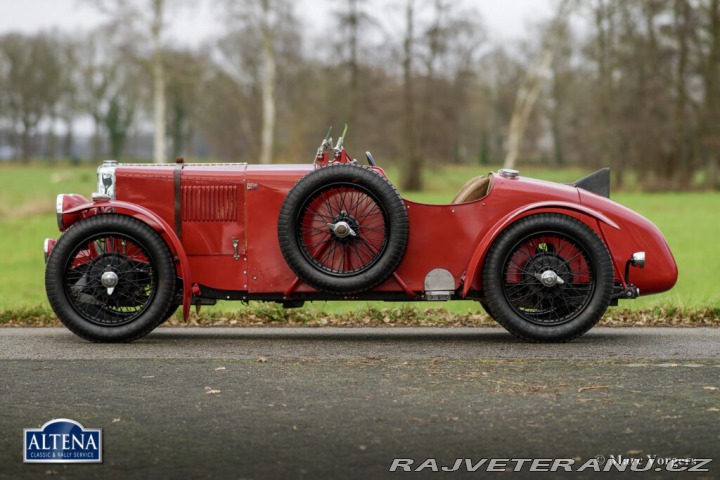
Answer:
(474, 189)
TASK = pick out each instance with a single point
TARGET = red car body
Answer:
(220, 223)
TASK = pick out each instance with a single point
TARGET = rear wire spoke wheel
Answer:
(548, 277)
(110, 278)
(343, 229)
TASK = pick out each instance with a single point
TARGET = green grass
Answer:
(691, 227)
(35, 188)
(21, 259)
(27, 201)
(27, 206)
(441, 184)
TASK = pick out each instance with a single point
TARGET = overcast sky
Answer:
(198, 19)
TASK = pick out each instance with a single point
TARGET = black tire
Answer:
(314, 239)
(176, 303)
(143, 269)
(171, 311)
(485, 307)
(576, 289)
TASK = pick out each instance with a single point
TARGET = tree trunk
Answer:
(51, 141)
(177, 130)
(117, 122)
(524, 103)
(353, 26)
(97, 138)
(268, 85)
(682, 150)
(26, 143)
(484, 153)
(711, 107)
(429, 93)
(534, 82)
(158, 83)
(411, 176)
(556, 119)
(608, 148)
(68, 141)
(558, 154)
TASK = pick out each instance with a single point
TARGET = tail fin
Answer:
(598, 183)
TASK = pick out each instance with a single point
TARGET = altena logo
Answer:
(62, 441)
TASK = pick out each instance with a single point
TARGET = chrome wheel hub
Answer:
(549, 278)
(341, 229)
(109, 281)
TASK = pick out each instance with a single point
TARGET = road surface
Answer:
(344, 403)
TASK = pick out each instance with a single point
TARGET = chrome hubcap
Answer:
(549, 278)
(109, 281)
(341, 229)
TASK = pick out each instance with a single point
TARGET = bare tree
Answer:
(637, 89)
(223, 104)
(118, 119)
(103, 64)
(355, 19)
(437, 57)
(561, 84)
(144, 19)
(352, 21)
(605, 36)
(158, 82)
(531, 88)
(448, 52)
(412, 168)
(29, 68)
(69, 106)
(268, 82)
(436, 40)
(682, 166)
(184, 69)
(710, 75)
(266, 21)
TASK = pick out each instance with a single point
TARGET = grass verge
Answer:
(688, 220)
(272, 315)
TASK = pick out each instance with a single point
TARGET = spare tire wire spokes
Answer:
(355, 235)
(343, 229)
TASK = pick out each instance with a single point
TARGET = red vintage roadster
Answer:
(544, 259)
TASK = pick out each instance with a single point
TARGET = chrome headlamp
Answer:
(106, 179)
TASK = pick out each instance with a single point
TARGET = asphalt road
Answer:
(343, 403)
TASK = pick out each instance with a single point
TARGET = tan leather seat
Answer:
(474, 189)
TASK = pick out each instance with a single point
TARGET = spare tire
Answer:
(343, 229)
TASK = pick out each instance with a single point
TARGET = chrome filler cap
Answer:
(509, 173)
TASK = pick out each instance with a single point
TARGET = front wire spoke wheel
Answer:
(113, 287)
(111, 278)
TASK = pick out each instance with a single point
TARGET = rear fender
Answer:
(478, 256)
(154, 221)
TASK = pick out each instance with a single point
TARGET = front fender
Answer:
(481, 250)
(156, 223)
